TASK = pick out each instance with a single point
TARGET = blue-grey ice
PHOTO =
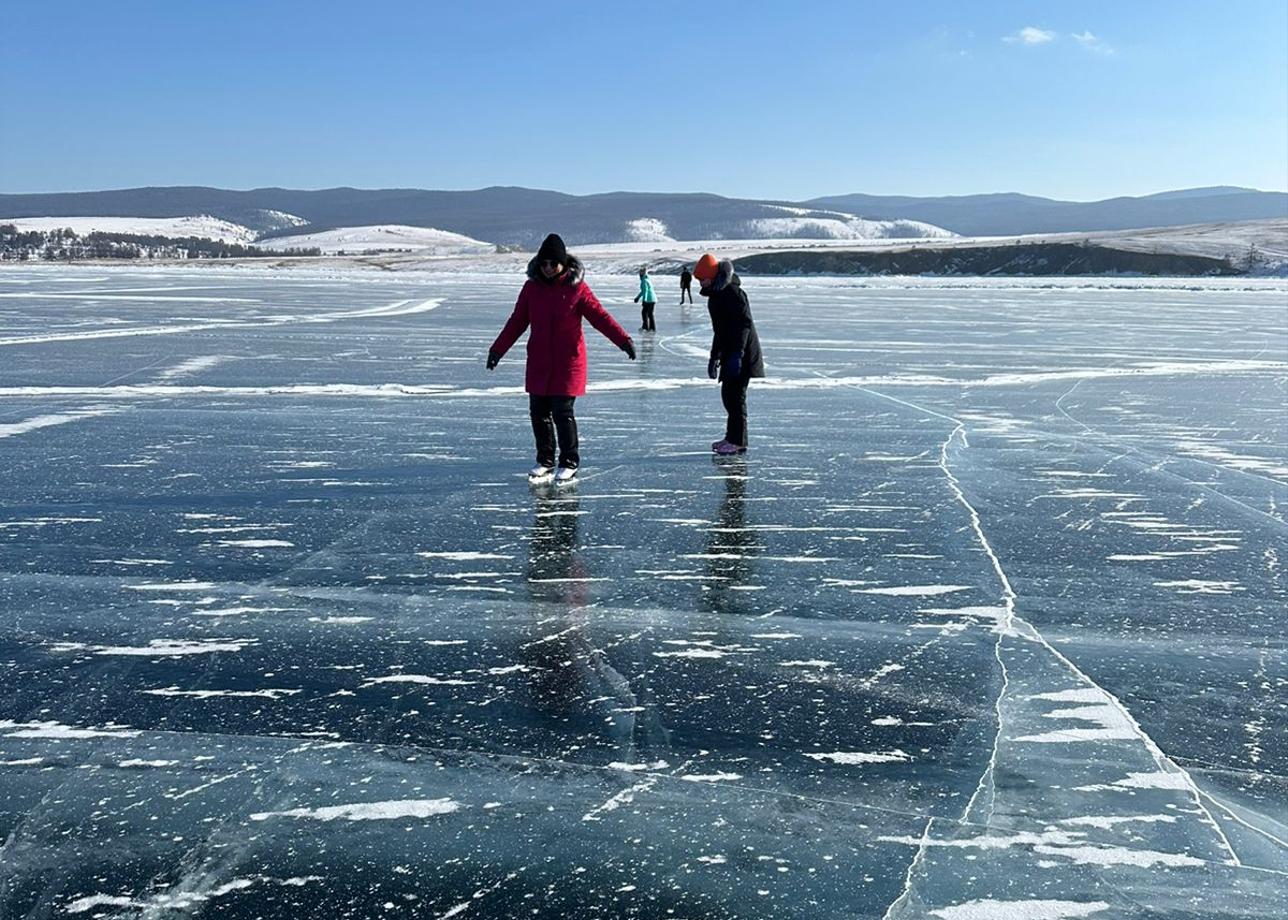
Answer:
(988, 623)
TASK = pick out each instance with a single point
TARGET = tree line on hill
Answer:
(64, 245)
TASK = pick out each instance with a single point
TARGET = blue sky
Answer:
(746, 99)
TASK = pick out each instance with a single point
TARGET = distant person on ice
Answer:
(554, 300)
(686, 279)
(647, 301)
(735, 347)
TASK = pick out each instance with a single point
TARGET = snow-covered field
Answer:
(988, 622)
(1267, 239)
(651, 246)
(424, 241)
(800, 222)
(200, 226)
(648, 240)
(797, 224)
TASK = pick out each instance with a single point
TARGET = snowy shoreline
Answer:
(1246, 249)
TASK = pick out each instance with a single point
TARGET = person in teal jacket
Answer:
(647, 301)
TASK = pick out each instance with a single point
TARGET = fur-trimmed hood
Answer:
(725, 276)
(573, 272)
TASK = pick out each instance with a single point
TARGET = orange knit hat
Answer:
(705, 270)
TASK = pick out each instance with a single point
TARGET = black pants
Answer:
(646, 313)
(683, 292)
(551, 414)
(733, 393)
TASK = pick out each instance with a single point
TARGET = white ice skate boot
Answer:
(541, 473)
(565, 475)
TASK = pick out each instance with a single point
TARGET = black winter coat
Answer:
(734, 329)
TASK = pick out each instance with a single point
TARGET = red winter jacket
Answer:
(556, 347)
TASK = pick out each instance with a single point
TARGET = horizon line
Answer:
(333, 188)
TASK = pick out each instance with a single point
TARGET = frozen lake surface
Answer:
(988, 623)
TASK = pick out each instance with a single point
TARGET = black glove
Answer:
(733, 367)
(713, 367)
(493, 359)
(637, 299)
(629, 348)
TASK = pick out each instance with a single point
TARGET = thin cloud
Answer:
(1091, 42)
(1030, 35)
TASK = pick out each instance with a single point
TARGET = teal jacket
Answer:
(646, 291)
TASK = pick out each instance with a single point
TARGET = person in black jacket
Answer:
(686, 279)
(735, 347)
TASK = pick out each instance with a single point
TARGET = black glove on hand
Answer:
(493, 359)
(629, 348)
(713, 367)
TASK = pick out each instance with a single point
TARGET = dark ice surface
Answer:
(989, 622)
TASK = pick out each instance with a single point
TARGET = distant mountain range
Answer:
(520, 216)
(1012, 214)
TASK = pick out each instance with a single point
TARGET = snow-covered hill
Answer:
(423, 241)
(1257, 246)
(647, 230)
(794, 223)
(266, 219)
(800, 223)
(1267, 239)
(202, 226)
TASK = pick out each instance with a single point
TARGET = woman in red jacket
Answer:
(554, 300)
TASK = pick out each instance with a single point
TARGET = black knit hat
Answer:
(552, 247)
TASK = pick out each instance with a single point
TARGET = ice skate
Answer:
(541, 474)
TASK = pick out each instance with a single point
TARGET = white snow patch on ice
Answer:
(59, 731)
(418, 679)
(368, 811)
(862, 757)
(1112, 724)
(1074, 695)
(915, 590)
(1159, 780)
(710, 777)
(35, 423)
(268, 693)
(239, 611)
(691, 653)
(193, 366)
(463, 556)
(638, 767)
(1117, 856)
(180, 901)
(1108, 822)
(1200, 586)
(996, 614)
(46, 521)
(990, 909)
(169, 647)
